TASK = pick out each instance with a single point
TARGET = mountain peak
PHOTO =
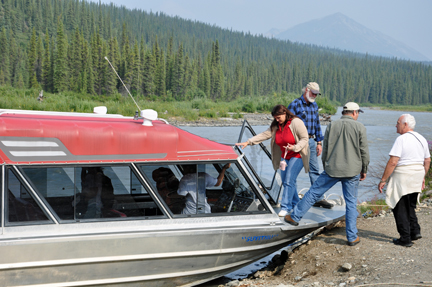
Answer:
(341, 32)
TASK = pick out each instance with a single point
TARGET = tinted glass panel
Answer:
(93, 192)
(22, 208)
(192, 189)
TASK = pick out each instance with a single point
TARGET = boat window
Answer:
(93, 192)
(200, 189)
(21, 207)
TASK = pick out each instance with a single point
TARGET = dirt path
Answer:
(375, 261)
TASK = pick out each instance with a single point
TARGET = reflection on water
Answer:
(381, 132)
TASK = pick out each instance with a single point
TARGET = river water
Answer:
(381, 134)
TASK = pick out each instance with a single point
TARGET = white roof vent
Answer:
(149, 116)
(101, 110)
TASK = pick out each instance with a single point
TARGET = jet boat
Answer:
(93, 200)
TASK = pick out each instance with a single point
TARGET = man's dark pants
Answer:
(406, 218)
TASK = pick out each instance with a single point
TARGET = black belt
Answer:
(311, 137)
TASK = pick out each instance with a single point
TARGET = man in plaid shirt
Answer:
(307, 110)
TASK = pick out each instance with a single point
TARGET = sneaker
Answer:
(401, 243)
(282, 213)
(323, 203)
(290, 220)
(355, 242)
(416, 236)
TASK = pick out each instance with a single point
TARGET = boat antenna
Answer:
(123, 83)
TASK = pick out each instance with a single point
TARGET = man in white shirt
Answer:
(188, 187)
(405, 171)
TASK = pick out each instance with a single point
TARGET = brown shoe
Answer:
(290, 220)
(355, 242)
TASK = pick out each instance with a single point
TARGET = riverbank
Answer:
(254, 119)
(326, 260)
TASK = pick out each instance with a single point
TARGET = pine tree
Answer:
(88, 74)
(111, 78)
(160, 76)
(98, 62)
(4, 59)
(178, 75)
(60, 62)
(169, 65)
(133, 75)
(40, 59)
(32, 57)
(148, 86)
(206, 79)
(47, 76)
(76, 62)
(18, 80)
(216, 73)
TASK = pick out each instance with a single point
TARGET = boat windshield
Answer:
(203, 189)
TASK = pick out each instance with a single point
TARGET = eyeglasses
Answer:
(314, 94)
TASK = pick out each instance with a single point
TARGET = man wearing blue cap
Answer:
(345, 158)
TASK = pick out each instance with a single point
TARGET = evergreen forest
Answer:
(60, 46)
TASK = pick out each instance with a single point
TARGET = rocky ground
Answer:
(253, 119)
(326, 259)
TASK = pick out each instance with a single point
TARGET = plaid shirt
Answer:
(308, 112)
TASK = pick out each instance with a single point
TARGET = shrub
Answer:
(237, 116)
(249, 107)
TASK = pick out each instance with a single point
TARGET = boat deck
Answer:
(318, 216)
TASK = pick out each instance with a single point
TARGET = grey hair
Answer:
(303, 90)
(409, 119)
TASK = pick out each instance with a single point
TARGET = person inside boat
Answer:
(167, 185)
(196, 200)
(289, 149)
(97, 194)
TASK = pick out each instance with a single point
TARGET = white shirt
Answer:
(188, 188)
(411, 148)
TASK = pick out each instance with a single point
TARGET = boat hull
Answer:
(165, 257)
(138, 256)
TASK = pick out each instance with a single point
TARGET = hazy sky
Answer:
(408, 21)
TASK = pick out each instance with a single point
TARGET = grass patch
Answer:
(26, 99)
(373, 208)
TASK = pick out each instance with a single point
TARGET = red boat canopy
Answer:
(38, 137)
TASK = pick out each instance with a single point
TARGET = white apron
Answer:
(405, 179)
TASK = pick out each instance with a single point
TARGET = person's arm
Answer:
(391, 165)
(325, 143)
(426, 165)
(319, 148)
(259, 138)
(364, 152)
(318, 134)
(222, 174)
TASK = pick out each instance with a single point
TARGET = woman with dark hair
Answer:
(289, 145)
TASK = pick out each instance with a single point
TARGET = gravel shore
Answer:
(327, 260)
(253, 119)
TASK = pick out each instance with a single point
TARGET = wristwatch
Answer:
(319, 143)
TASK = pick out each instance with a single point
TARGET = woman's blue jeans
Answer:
(289, 181)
